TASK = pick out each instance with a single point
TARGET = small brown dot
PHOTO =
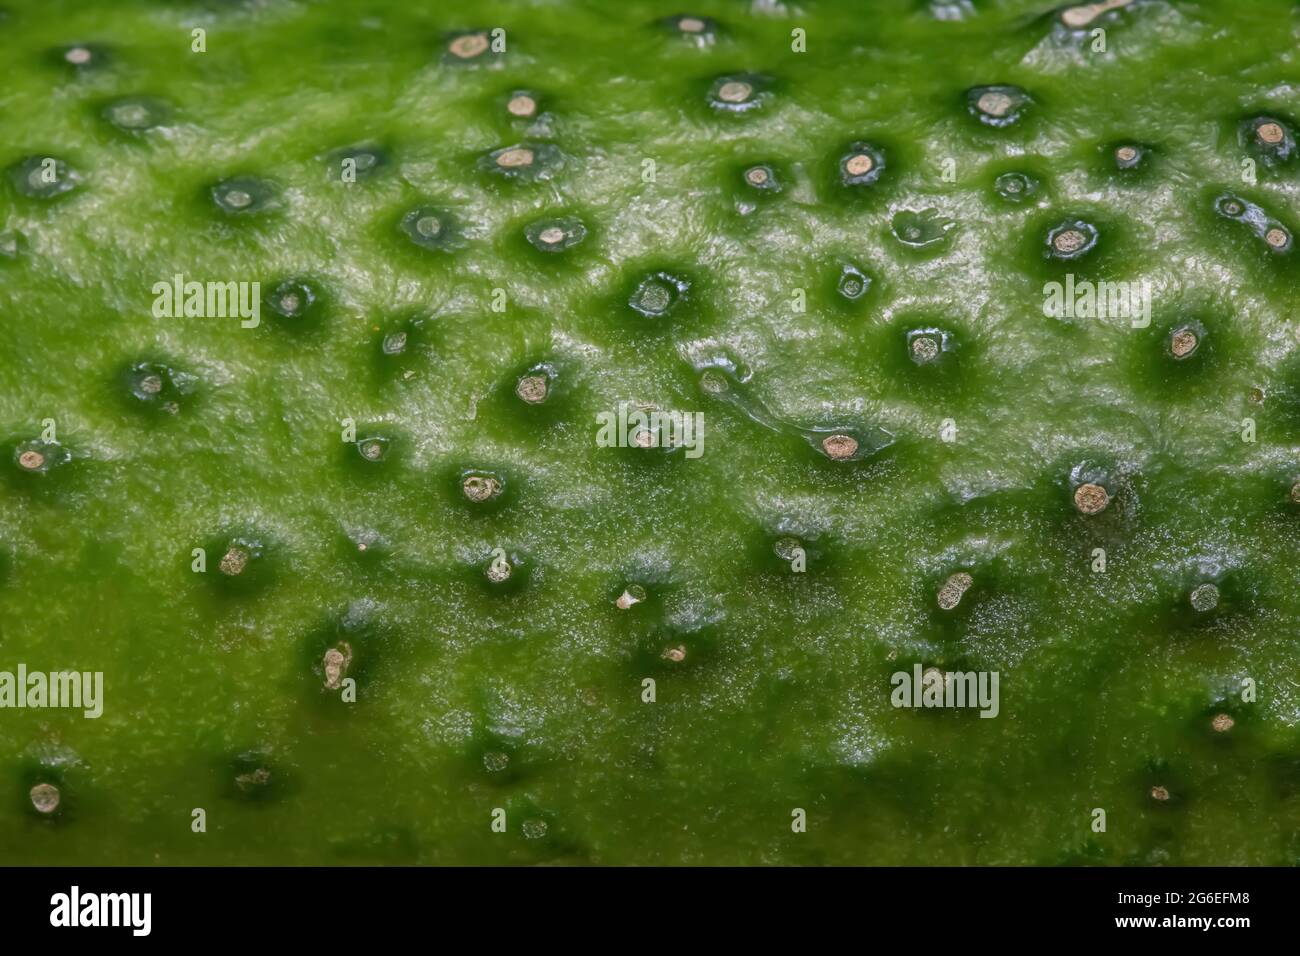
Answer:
(1270, 133)
(934, 677)
(1277, 238)
(735, 91)
(1204, 598)
(233, 562)
(532, 389)
(522, 105)
(1068, 241)
(1126, 154)
(31, 460)
(925, 349)
(757, 176)
(468, 46)
(676, 654)
(995, 103)
(1222, 723)
(515, 157)
(335, 662)
(372, 450)
(632, 595)
(859, 164)
(151, 384)
(950, 594)
(1075, 17)
(1091, 498)
(253, 779)
(840, 447)
(479, 488)
(1159, 793)
(787, 549)
(1082, 14)
(1183, 343)
(1256, 395)
(499, 571)
(1295, 493)
(45, 798)
(713, 382)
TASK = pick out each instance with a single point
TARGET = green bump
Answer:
(537, 385)
(354, 164)
(555, 235)
(403, 348)
(630, 597)
(432, 228)
(245, 196)
(998, 106)
(505, 572)
(739, 93)
(697, 30)
(861, 164)
(1083, 16)
(40, 458)
(482, 487)
(1129, 157)
(929, 346)
(136, 114)
(954, 588)
(924, 229)
(1017, 187)
(472, 48)
(159, 387)
(373, 449)
(1204, 598)
(43, 177)
(238, 565)
(853, 283)
(296, 299)
(1185, 340)
(657, 295)
(524, 162)
(45, 798)
(253, 776)
(762, 177)
(1071, 239)
(82, 57)
(1270, 139)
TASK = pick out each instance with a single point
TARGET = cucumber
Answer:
(487, 433)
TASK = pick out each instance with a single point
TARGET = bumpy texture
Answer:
(826, 227)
